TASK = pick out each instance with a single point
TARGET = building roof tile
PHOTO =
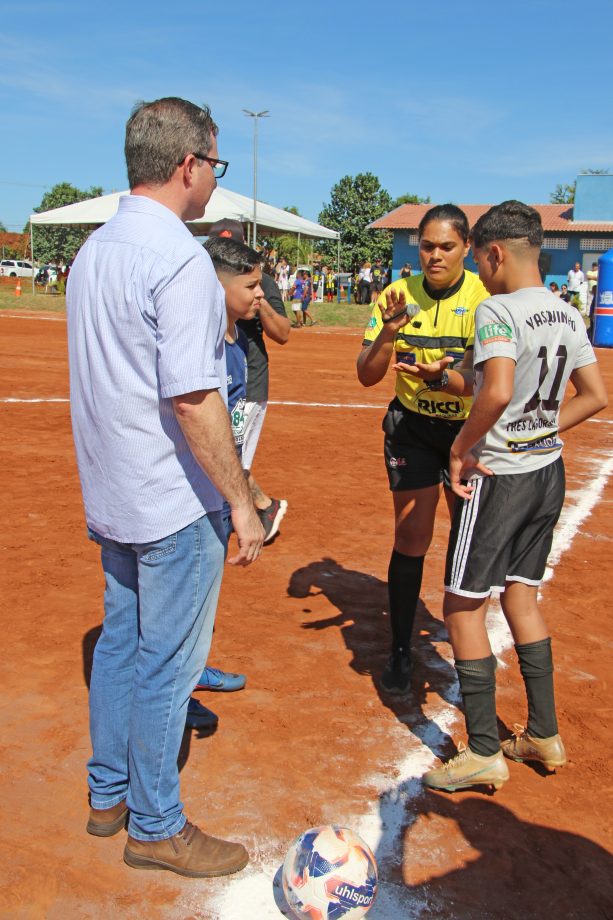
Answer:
(555, 217)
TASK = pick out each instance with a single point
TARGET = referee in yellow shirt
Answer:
(420, 319)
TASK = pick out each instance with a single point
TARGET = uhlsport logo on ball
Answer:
(329, 873)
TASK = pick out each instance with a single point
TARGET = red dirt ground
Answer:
(310, 740)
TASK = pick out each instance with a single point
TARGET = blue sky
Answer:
(471, 102)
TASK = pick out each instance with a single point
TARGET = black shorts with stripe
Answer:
(416, 448)
(504, 532)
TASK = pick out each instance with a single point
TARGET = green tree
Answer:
(565, 194)
(287, 244)
(297, 252)
(410, 199)
(60, 244)
(355, 202)
(3, 228)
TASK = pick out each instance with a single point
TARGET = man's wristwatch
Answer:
(440, 383)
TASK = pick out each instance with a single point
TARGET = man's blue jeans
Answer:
(160, 601)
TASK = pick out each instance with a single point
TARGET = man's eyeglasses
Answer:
(219, 167)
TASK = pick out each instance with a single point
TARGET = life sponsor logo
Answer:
(495, 332)
(541, 444)
(460, 311)
(372, 322)
(440, 405)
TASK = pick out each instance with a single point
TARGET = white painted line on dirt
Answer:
(318, 405)
(52, 319)
(601, 421)
(574, 514)
(42, 399)
(273, 402)
(251, 896)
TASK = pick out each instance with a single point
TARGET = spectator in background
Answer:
(565, 293)
(364, 282)
(406, 271)
(592, 277)
(330, 285)
(296, 295)
(576, 279)
(553, 287)
(378, 280)
(317, 277)
(307, 297)
(282, 278)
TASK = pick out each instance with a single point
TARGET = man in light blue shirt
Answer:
(155, 452)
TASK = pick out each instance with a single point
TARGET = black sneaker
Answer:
(271, 517)
(396, 677)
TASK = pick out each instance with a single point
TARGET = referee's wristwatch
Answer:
(440, 383)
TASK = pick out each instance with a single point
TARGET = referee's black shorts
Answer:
(416, 448)
(504, 532)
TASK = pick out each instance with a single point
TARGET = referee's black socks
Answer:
(478, 685)
(536, 666)
(404, 577)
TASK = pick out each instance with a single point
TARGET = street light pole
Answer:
(255, 116)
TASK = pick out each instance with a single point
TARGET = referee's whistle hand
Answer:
(394, 315)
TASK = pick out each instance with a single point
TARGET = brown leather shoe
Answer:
(104, 822)
(190, 852)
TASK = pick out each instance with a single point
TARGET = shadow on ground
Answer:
(501, 866)
(361, 601)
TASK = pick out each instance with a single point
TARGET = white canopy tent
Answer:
(223, 203)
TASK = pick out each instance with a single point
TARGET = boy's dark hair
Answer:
(231, 256)
(510, 220)
(449, 212)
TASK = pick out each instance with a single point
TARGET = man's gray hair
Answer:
(160, 134)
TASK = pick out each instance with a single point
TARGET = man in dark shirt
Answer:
(272, 321)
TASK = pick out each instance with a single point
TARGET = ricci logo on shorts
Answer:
(397, 461)
(448, 408)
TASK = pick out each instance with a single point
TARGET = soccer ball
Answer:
(329, 874)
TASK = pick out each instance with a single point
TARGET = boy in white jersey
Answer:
(507, 470)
